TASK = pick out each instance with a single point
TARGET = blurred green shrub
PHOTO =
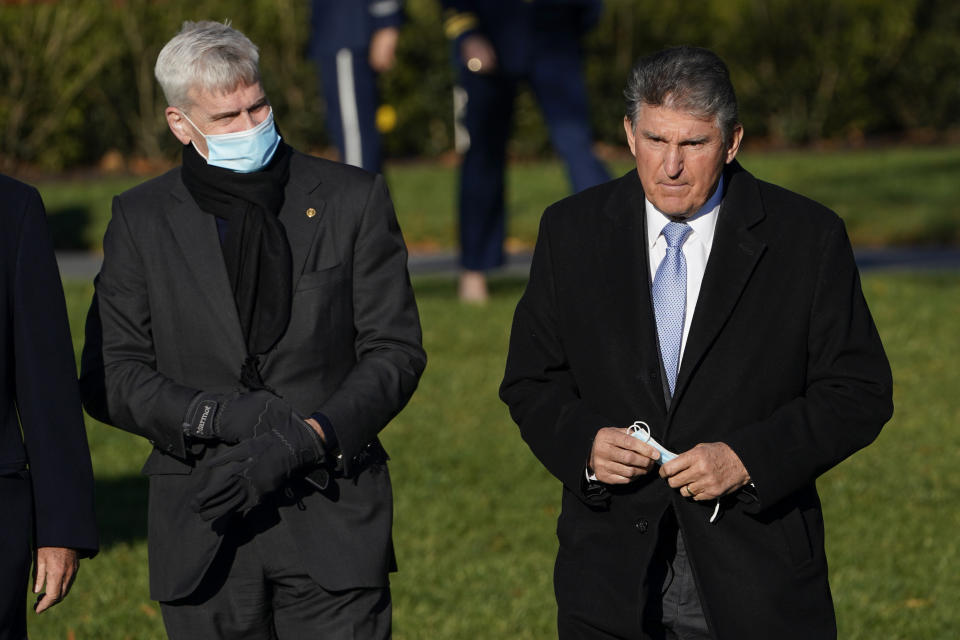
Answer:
(77, 75)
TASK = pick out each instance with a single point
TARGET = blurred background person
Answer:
(351, 42)
(46, 481)
(496, 44)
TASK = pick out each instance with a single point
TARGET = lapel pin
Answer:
(311, 212)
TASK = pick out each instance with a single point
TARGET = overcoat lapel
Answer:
(196, 233)
(624, 253)
(734, 256)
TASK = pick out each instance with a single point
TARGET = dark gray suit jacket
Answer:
(783, 363)
(163, 325)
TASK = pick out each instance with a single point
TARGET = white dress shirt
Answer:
(696, 249)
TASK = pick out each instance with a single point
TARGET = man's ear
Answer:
(178, 125)
(631, 139)
(735, 141)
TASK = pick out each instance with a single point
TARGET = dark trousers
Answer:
(555, 76)
(673, 610)
(256, 589)
(15, 496)
(350, 90)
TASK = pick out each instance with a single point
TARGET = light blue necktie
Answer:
(670, 298)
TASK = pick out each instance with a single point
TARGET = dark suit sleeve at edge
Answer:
(390, 357)
(849, 389)
(47, 399)
(538, 385)
(119, 381)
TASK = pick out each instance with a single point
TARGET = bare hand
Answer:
(706, 472)
(383, 48)
(56, 567)
(619, 458)
(478, 54)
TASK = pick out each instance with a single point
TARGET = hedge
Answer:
(78, 75)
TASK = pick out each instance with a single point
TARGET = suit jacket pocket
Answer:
(314, 279)
(161, 464)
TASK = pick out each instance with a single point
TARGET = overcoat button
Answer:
(641, 525)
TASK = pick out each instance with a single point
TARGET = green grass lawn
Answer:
(891, 196)
(475, 512)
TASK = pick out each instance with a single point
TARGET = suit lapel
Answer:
(624, 257)
(302, 214)
(196, 233)
(734, 256)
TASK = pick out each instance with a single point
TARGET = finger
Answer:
(622, 458)
(608, 447)
(607, 478)
(619, 473)
(225, 503)
(69, 576)
(706, 494)
(620, 439)
(215, 497)
(55, 585)
(678, 465)
(39, 573)
(682, 479)
(44, 602)
(640, 447)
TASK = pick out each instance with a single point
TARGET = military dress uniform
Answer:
(538, 41)
(340, 43)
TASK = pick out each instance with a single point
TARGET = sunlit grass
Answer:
(475, 511)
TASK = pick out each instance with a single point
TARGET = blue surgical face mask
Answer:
(242, 151)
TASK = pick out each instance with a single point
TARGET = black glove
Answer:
(235, 416)
(238, 478)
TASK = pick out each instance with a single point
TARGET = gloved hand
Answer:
(238, 478)
(235, 416)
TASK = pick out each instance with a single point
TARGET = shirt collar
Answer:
(703, 222)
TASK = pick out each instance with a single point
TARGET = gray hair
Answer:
(206, 56)
(687, 79)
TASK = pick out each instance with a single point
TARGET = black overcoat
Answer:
(783, 363)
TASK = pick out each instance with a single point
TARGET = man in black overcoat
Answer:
(723, 316)
(46, 481)
(254, 320)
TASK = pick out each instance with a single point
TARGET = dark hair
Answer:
(687, 79)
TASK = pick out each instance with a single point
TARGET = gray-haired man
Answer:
(254, 320)
(721, 318)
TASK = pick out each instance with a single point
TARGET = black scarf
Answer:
(256, 250)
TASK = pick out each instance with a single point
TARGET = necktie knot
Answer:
(675, 233)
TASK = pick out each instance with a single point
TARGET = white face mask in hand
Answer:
(242, 151)
(641, 431)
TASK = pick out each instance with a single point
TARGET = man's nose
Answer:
(673, 162)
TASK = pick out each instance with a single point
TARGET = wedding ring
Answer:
(475, 65)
